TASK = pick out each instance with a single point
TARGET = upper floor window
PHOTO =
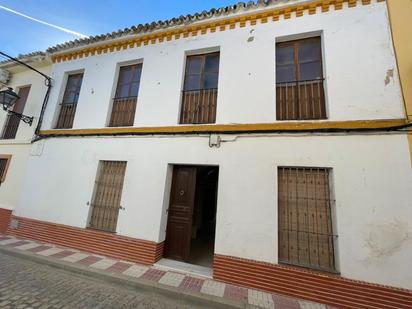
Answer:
(299, 80)
(12, 121)
(200, 89)
(4, 165)
(69, 103)
(127, 91)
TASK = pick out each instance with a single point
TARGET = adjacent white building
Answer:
(256, 142)
(16, 136)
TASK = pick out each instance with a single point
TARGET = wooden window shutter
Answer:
(299, 80)
(199, 96)
(105, 204)
(127, 92)
(304, 218)
(12, 121)
(4, 165)
(69, 103)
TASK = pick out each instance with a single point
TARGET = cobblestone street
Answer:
(26, 284)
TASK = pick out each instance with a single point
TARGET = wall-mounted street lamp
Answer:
(7, 99)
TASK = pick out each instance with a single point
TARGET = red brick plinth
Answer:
(311, 285)
(93, 241)
(5, 216)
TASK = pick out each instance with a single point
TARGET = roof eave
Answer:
(34, 60)
(119, 36)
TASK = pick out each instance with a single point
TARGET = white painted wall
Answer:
(19, 147)
(21, 78)
(371, 178)
(357, 52)
(10, 189)
(371, 174)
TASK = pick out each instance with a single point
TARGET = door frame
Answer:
(167, 199)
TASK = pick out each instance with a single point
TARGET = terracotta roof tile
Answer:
(173, 22)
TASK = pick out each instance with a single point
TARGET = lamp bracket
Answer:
(24, 118)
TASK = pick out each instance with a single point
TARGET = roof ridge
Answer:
(164, 24)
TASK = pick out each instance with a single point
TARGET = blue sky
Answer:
(20, 35)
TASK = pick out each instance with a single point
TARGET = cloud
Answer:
(44, 23)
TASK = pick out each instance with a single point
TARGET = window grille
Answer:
(299, 80)
(105, 204)
(70, 99)
(304, 218)
(125, 100)
(199, 96)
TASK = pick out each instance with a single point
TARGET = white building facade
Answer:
(16, 136)
(262, 142)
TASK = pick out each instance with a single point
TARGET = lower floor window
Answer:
(304, 218)
(4, 164)
(107, 195)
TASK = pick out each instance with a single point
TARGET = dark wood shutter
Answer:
(4, 164)
(12, 121)
(70, 99)
(199, 97)
(299, 80)
(125, 100)
(107, 195)
(304, 218)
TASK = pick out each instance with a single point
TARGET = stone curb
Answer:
(137, 283)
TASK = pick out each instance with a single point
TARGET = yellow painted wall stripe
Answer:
(235, 128)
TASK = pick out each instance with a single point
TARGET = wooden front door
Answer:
(179, 224)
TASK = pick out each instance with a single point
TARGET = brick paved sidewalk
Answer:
(155, 275)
